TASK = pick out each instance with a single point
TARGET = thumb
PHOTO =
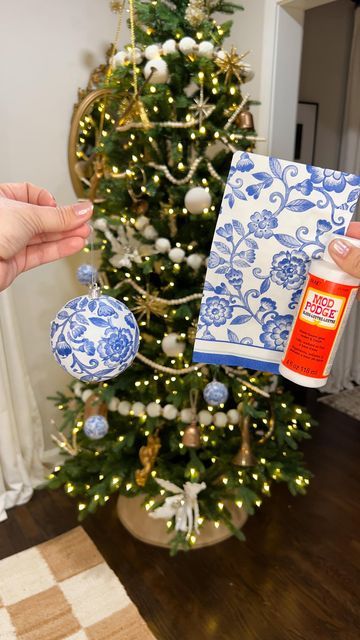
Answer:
(59, 219)
(346, 256)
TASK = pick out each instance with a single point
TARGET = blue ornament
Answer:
(94, 337)
(96, 427)
(215, 393)
(86, 274)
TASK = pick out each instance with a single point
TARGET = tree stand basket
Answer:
(137, 521)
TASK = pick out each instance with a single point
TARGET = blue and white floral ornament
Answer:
(86, 274)
(96, 427)
(94, 337)
(215, 393)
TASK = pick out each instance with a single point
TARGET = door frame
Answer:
(280, 74)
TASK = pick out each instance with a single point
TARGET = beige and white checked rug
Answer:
(346, 401)
(64, 590)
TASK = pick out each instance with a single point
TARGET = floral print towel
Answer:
(275, 217)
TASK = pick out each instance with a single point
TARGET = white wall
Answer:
(47, 50)
(326, 49)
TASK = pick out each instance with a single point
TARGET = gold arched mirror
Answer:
(84, 160)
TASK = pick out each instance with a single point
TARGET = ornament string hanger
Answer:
(94, 289)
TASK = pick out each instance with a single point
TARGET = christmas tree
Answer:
(171, 112)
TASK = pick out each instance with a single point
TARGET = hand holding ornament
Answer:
(34, 231)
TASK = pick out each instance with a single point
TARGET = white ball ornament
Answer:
(163, 245)
(96, 427)
(197, 199)
(158, 70)
(138, 55)
(124, 407)
(170, 412)
(86, 395)
(205, 417)
(120, 58)
(186, 415)
(141, 222)
(233, 416)
(171, 345)
(153, 410)
(149, 232)
(206, 49)
(195, 260)
(177, 255)
(152, 51)
(113, 404)
(169, 46)
(187, 45)
(94, 337)
(138, 408)
(220, 419)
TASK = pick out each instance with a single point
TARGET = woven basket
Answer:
(137, 521)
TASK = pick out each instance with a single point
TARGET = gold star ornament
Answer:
(230, 63)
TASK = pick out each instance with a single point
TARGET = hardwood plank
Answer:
(295, 578)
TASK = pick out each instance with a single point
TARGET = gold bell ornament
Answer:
(244, 457)
(191, 437)
(245, 120)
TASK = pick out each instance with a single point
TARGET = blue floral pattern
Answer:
(275, 217)
(94, 339)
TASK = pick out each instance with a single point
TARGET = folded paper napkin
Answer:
(275, 216)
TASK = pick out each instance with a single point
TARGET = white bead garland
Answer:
(124, 407)
(169, 412)
(220, 419)
(113, 404)
(138, 409)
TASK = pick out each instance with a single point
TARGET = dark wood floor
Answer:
(296, 577)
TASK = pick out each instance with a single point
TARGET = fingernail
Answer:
(341, 248)
(83, 208)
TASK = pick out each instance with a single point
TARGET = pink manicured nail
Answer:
(83, 208)
(341, 248)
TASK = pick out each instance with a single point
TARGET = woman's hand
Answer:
(345, 254)
(34, 231)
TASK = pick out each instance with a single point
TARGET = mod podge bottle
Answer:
(320, 320)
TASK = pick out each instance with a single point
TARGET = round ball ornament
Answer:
(94, 337)
(86, 274)
(152, 51)
(163, 245)
(169, 46)
(187, 45)
(177, 255)
(206, 49)
(171, 345)
(215, 393)
(158, 70)
(197, 199)
(96, 427)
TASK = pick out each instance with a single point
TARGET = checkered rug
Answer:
(346, 401)
(64, 590)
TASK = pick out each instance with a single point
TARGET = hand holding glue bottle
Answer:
(331, 287)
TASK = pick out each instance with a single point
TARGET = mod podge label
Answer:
(318, 326)
(321, 309)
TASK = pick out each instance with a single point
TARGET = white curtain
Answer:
(346, 368)
(21, 434)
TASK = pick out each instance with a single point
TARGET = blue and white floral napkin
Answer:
(275, 216)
